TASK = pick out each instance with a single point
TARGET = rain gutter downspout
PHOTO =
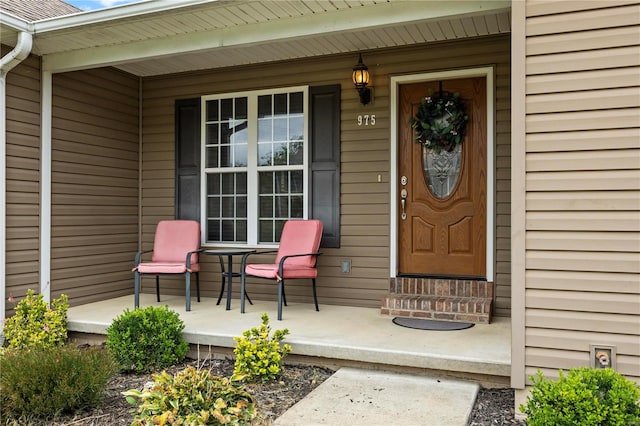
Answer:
(19, 53)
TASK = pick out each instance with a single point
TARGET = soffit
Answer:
(198, 34)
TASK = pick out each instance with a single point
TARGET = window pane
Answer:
(282, 183)
(227, 109)
(264, 154)
(213, 207)
(295, 103)
(266, 183)
(280, 104)
(296, 128)
(295, 153)
(241, 230)
(278, 229)
(228, 230)
(266, 231)
(280, 154)
(241, 183)
(241, 108)
(212, 110)
(265, 129)
(264, 106)
(240, 132)
(296, 181)
(241, 206)
(266, 206)
(225, 156)
(280, 129)
(212, 134)
(296, 207)
(282, 206)
(225, 133)
(213, 184)
(228, 183)
(212, 157)
(213, 227)
(228, 207)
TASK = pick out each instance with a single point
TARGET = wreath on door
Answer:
(441, 121)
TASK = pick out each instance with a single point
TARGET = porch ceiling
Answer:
(169, 36)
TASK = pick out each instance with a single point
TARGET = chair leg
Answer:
(315, 297)
(198, 285)
(280, 296)
(158, 288)
(188, 291)
(284, 295)
(136, 289)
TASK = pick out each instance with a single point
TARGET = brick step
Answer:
(440, 287)
(449, 308)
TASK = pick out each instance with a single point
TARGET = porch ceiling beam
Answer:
(357, 18)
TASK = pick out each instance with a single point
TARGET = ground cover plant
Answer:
(584, 396)
(147, 340)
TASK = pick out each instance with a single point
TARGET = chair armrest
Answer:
(243, 262)
(188, 259)
(281, 265)
(138, 258)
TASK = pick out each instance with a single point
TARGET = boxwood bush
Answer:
(586, 397)
(146, 340)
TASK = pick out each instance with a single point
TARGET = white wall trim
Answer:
(487, 72)
(45, 188)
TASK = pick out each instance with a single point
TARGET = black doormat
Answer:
(428, 324)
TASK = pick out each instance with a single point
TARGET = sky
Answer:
(97, 4)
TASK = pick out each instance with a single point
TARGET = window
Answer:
(255, 171)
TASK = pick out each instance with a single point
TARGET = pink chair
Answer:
(296, 258)
(175, 251)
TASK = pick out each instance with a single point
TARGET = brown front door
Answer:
(444, 230)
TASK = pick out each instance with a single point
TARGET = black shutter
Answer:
(188, 159)
(324, 130)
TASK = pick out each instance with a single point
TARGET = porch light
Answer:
(360, 78)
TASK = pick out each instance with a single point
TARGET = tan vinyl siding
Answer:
(365, 155)
(94, 212)
(22, 179)
(583, 183)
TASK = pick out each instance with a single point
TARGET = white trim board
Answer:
(396, 81)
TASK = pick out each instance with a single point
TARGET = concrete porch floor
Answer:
(337, 336)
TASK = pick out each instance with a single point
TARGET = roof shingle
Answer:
(34, 10)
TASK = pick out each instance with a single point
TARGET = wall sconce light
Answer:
(360, 78)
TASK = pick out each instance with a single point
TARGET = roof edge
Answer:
(15, 22)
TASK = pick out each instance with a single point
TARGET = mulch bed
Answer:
(493, 406)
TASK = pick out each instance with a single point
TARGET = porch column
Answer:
(45, 188)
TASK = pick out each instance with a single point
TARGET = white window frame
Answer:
(252, 163)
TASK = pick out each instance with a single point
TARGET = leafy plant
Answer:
(146, 340)
(585, 396)
(259, 356)
(191, 397)
(34, 325)
(44, 383)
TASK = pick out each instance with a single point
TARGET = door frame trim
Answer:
(396, 81)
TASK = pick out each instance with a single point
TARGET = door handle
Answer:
(403, 202)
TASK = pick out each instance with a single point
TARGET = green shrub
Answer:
(191, 397)
(585, 396)
(259, 356)
(45, 383)
(146, 340)
(34, 325)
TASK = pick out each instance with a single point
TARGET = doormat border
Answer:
(430, 324)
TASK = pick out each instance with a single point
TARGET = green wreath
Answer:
(441, 121)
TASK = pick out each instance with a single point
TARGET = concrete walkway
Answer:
(358, 397)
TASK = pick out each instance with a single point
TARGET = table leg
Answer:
(230, 283)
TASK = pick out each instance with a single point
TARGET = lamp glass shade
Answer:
(360, 77)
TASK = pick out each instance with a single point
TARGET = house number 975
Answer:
(366, 120)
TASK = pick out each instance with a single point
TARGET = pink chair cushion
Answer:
(271, 271)
(299, 237)
(174, 239)
(166, 268)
